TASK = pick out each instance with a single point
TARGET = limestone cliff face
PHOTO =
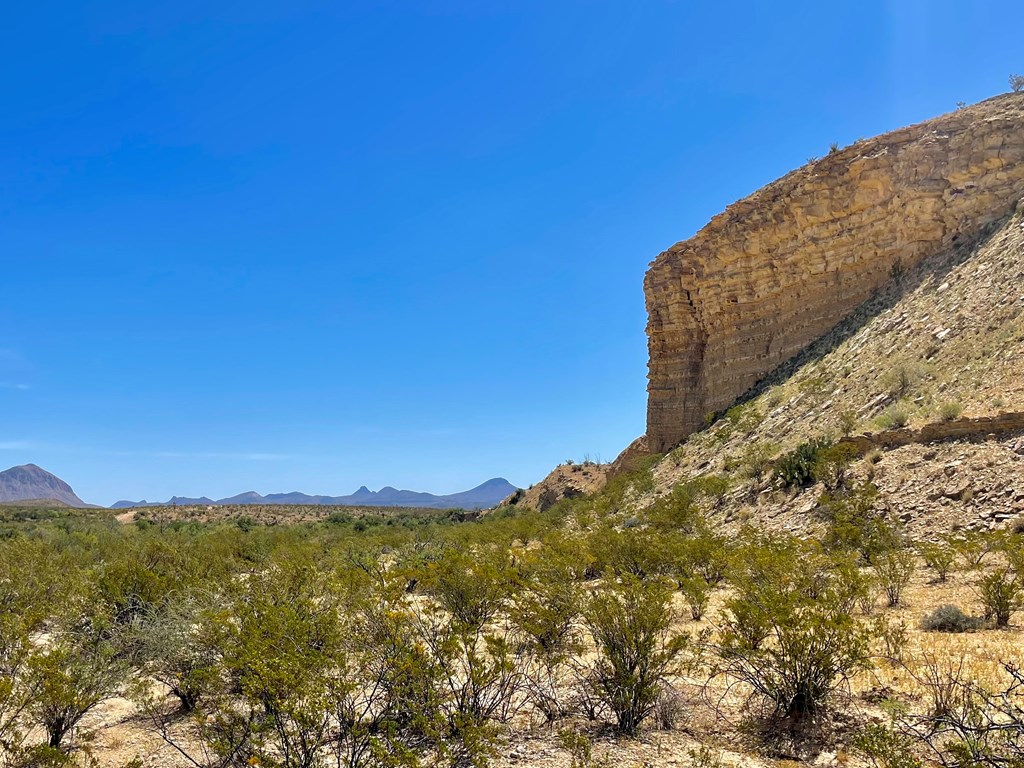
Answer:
(780, 268)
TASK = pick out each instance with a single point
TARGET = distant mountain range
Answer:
(483, 496)
(29, 482)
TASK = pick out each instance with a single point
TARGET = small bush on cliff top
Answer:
(1017, 83)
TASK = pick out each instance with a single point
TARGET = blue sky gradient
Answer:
(307, 246)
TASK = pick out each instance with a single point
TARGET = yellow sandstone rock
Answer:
(782, 267)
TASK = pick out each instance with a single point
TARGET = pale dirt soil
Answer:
(122, 734)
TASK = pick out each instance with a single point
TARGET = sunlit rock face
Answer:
(782, 267)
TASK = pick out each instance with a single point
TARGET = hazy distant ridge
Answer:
(485, 495)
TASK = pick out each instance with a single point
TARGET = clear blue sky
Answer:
(303, 245)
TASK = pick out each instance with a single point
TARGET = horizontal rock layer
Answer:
(780, 268)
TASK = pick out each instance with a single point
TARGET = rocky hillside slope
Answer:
(926, 378)
(780, 268)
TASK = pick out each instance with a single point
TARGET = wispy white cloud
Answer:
(220, 455)
(14, 385)
(16, 445)
(26, 445)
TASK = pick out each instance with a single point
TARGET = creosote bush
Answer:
(630, 623)
(853, 524)
(940, 557)
(790, 636)
(1000, 594)
(368, 640)
(894, 570)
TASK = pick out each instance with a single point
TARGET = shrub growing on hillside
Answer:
(710, 487)
(631, 624)
(903, 376)
(974, 547)
(697, 593)
(894, 417)
(757, 460)
(854, 525)
(1017, 83)
(831, 465)
(950, 411)
(703, 555)
(796, 468)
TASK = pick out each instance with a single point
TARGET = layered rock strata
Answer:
(780, 268)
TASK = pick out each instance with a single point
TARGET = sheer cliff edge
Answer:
(780, 268)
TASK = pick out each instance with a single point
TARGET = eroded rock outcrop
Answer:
(782, 267)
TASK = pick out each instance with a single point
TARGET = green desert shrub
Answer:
(886, 747)
(795, 469)
(894, 417)
(848, 421)
(740, 419)
(901, 379)
(894, 637)
(831, 465)
(676, 512)
(950, 411)
(894, 570)
(173, 649)
(632, 551)
(545, 617)
(710, 487)
(1000, 594)
(790, 636)
(756, 460)
(471, 586)
(637, 651)
(68, 680)
(940, 557)
(853, 524)
(973, 548)
(949, 618)
(697, 594)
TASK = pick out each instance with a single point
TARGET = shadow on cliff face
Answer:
(901, 285)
